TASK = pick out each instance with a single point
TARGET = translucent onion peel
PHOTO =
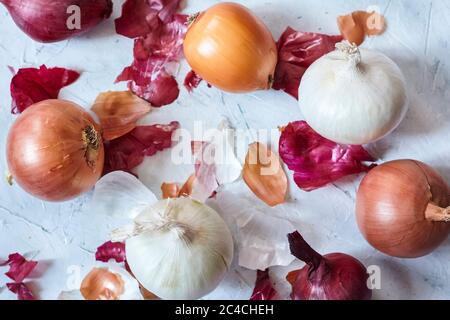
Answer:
(264, 175)
(357, 25)
(403, 208)
(119, 112)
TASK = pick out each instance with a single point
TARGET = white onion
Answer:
(353, 96)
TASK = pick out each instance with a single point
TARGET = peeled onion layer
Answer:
(55, 150)
(231, 49)
(52, 21)
(403, 208)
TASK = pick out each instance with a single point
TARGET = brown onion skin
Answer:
(391, 208)
(47, 155)
(46, 20)
(231, 49)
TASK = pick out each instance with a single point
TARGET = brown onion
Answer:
(231, 48)
(403, 208)
(50, 20)
(55, 150)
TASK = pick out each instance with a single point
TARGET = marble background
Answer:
(63, 237)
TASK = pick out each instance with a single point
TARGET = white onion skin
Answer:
(46, 153)
(351, 105)
(391, 208)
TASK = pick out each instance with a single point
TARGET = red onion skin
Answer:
(335, 276)
(391, 208)
(334, 279)
(46, 20)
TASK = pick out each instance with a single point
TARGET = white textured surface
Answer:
(63, 235)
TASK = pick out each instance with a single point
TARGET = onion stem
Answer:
(91, 141)
(191, 19)
(303, 251)
(437, 213)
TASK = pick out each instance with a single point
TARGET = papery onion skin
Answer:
(231, 49)
(48, 21)
(55, 150)
(394, 205)
(335, 276)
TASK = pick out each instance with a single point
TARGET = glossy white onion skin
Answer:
(47, 154)
(353, 104)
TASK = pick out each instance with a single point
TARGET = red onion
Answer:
(51, 21)
(335, 276)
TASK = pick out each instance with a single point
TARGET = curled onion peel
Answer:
(55, 150)
(403, 208)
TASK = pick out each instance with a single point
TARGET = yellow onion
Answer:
(231, 48)
(55, 151)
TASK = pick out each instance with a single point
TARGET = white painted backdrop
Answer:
(63, 235)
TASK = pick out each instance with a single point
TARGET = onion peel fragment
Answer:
(317, 161)
(32, 85)
(264, 289)
(264, 174)
(111, 250)
(118, 112)
(357, 25)
(159, 34)
(296, 52)
(127, 152)
(175, 190)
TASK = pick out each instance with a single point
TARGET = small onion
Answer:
(231, 48)
(55, 151)
(403, 208)
(51, 21)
